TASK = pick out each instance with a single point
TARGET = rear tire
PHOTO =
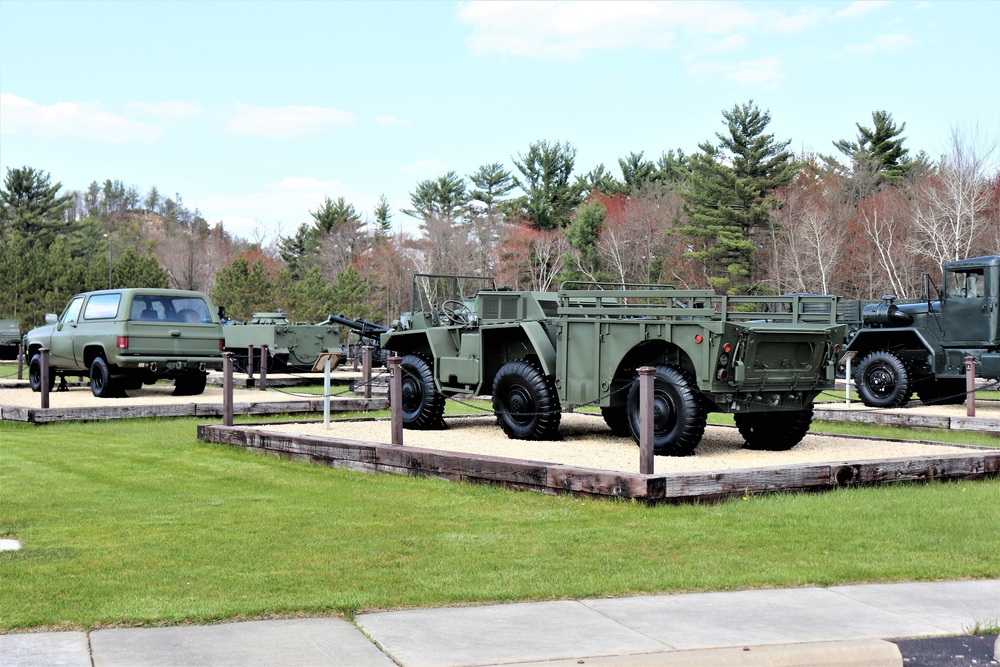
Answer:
(883, 381)
(525, 402)
(102, 383)
(773, 431)
(35, 374)
(191, 384)
(422, 403)
(679, 416)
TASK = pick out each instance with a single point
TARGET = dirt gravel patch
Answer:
(588, 443)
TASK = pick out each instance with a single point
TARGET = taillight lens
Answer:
(726, 348)
(222, 345)
(122, 343)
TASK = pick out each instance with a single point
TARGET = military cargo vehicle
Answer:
(124, 338)
(921, 346)
(765, 361)
(291, 346)
(10, 338)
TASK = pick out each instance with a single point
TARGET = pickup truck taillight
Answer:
(222, 345)
(122, 343)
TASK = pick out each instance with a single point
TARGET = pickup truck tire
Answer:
(773, 431)
(102, 383)
(883, 381)
(616, 417)
(948, 391)
(422, 403)
(525, 402)
(679, 415)
(35, 374)
(191, 384)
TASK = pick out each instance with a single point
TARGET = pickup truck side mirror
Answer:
(51, 318)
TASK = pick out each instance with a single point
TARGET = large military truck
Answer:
(291, 346)
(125, 338)
(10, 338)
(921, 346)
(764, 361)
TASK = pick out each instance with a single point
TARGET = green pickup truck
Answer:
(124, 338)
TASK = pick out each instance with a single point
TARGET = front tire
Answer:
(679, 417)
(883, 381)
(525, 402)
(773, 431)
(102, 383)
(35, 374)
(423, 404)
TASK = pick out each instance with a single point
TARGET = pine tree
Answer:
(878, 153)
(492, 182)
(731, 195)
(31, 203)
(549, 195)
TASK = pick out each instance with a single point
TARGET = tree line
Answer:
(742, 214)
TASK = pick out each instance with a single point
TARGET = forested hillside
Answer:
(742, 214)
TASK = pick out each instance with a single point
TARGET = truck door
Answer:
(61, 345)
(969, 307)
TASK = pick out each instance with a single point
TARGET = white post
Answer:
(326, 394)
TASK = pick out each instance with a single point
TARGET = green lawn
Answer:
(137, 522)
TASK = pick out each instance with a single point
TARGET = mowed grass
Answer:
(136, 522)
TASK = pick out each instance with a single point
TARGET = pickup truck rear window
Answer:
(102, 307)
(159, 308)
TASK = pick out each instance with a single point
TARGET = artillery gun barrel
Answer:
(364, 328)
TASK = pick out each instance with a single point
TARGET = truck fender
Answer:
(543, 347)
(911, 340)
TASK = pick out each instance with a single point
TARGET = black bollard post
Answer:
(250, 361)
(20, 361)
(646, 420)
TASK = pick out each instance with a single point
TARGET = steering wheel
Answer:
(456, 311)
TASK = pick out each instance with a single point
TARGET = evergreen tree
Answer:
(352, 296)
(549, 195)
(383, 217)
(442, 198)
(295, 250)
(599, 180)
(731, 195)
(492, 182)
(878, 151)
(243, 289)
(637, 173)
(31, 203)
(313, 298)
(583, 232)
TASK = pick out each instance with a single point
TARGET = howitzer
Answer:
(368, 332)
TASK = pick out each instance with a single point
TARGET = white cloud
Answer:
(568, 29)
(893, 43)
(286, 122)
(61, 120)
(765, 73)
(860, 8)
(388, 120)
(279, 207)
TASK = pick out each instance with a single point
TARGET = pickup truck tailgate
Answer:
(173, 339)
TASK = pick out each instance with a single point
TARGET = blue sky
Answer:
(256, 111)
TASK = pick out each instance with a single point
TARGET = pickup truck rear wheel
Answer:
(423, 404)
(679, 416)
(883, 381)
(35, 374)
(525, 402)
(191, 384)
(102, 384)
(773, 431)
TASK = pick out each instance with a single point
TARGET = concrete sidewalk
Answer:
(839, 625)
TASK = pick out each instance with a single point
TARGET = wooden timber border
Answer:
(907, 419)
(562, 479)
(49, 415)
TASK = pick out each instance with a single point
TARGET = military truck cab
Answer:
(921, 346)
